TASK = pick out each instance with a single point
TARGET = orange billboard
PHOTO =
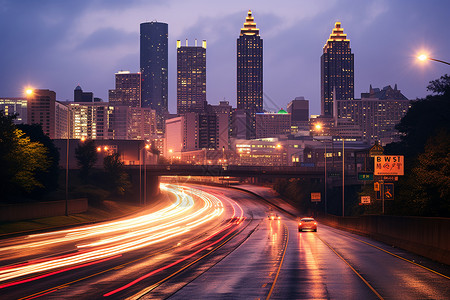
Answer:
(389, 165)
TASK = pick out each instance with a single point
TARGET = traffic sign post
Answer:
(388, 191)
(315, 197)
(376, 186)
(365, 175)
(365, 199)
(389, 165)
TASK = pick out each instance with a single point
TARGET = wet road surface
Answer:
(235, 254)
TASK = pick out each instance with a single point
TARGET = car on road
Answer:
(307, 224)
(273, 216)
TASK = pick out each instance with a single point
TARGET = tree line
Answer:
(29, 166)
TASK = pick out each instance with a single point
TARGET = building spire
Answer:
(249, 25)
(336, 35)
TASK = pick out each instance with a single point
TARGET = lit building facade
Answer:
(273, 124)
(61, 121)
(223, 114)
(337, 70)
(128, 89)
(154, 69)
(250, 72)
(191, 78)
(376, 113)
(153, 62)
(103, 121)
(11, 106)
(41, 108)
(174, 136)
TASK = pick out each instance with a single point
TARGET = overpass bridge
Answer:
(232, 171)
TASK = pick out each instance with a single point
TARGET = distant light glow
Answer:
(422, 57)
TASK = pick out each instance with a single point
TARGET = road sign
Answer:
(365, 199)
(365, 175)
(315, 197)
(390, 178)
(376, 186)
(388, 191)
(376, 150)
(389, 165)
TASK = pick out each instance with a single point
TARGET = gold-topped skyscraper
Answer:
(337, 70)
(250, 73)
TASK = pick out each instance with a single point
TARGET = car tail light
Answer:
(300, 223)
(315, 223)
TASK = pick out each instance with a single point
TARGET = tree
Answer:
(425, 128)
(48, 178)
(432, 176)
(21, 160)
(118, 178)
(440, 86)
(30, 158)
(86, 155)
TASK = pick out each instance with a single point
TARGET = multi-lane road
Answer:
(211, 243)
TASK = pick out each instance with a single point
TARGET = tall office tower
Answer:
(153, 61)
(250, 73)
(41, 109)
(191, 78)
(128, 89)
(337, 70)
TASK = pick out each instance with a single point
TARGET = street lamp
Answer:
(171, 155)
(318, 127)
(325, 173)
(424, 57)
(146, 147)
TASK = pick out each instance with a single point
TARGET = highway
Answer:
(205, 242)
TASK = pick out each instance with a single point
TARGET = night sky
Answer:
(59, 44)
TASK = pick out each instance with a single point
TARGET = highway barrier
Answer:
(35, 210)
(429, 237)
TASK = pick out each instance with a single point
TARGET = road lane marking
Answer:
(353, 269)
(154, 286)
(64, 285)
(281, 263)
(395, 255)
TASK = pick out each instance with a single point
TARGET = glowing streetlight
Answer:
(29, 92)
(424, 57)
(171, 155)
(318, 126)
(142, 162)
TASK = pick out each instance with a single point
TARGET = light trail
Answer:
(191, 209)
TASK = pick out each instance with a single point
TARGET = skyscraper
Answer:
(337, 70)
(250, 72)
(128, 89)
(153, 60)
(191, 78)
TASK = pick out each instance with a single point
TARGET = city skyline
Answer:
(58, 52)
